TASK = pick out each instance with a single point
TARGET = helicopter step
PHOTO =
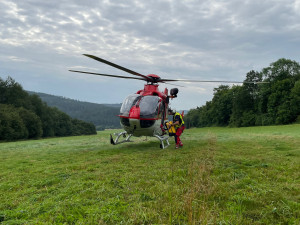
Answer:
(116, 141)
(162, 139)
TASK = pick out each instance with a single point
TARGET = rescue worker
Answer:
(178, 123)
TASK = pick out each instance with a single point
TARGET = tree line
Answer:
(273, 103)
(103, 116)
(25, 116)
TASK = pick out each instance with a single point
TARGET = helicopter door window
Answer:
(149, 107)
(130, 101)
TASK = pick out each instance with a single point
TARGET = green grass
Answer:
(221, 176)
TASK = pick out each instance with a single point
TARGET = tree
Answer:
(276, 102)
(26, 116)
(282, 69)
(242, 107)
(80, 127)
(12, 93)
(295, 100)
(191, 119)
(32, 122)
(221, 108)
(12, 126)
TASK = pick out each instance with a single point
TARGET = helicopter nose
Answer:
(134, 112)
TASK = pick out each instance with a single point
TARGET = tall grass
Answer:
(221, 176)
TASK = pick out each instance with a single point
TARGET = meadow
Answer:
(221, 176)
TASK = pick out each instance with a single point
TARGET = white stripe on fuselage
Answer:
(136, 130)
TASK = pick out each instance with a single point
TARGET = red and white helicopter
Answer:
(145, 112)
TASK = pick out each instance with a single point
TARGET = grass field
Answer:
(221, 176)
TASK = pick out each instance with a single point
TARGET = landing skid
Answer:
(127, 137)
(116, 141)
(162, 139)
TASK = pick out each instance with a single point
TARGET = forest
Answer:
(25, 116)
(274, 103)
(103, 116)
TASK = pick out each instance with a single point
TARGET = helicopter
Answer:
(145, 112)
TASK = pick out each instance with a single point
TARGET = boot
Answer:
(180, 144)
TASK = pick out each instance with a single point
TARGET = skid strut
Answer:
(116, 141)
(162, 139)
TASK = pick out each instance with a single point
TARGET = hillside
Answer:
(101, 115)
(221, 176)
(25, 116)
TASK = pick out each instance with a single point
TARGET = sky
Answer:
(187, 39)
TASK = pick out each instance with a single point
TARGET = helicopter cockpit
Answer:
(148, 106)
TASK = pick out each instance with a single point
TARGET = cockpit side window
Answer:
(130, 101)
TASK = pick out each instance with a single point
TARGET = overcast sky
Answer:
(208, 40)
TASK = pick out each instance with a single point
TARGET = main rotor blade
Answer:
(117, 66)
(173, 84)
(108, 75)
(215, 81)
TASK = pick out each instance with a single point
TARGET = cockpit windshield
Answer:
(149, 106)
(130, 101)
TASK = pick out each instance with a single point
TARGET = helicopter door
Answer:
(149, 106)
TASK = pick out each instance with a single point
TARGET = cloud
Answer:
(210, 39)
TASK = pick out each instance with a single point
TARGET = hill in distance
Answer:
(103, 116)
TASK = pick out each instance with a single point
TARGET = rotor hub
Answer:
(154, 78)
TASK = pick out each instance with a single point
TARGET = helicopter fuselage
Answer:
(143, 113)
